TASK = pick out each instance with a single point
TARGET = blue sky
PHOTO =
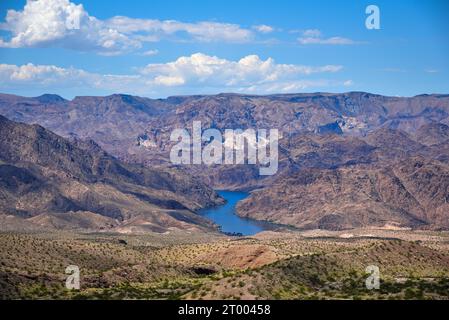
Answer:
(162, 48)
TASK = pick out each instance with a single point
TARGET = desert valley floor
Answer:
(183, 265)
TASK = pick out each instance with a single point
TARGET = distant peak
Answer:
(121, 96)
(49, 98)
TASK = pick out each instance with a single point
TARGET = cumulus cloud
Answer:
(61, 23)
(46, 23)
(200, 69)
(198, 73)
(314, 36)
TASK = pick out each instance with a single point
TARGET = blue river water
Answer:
(225, 216)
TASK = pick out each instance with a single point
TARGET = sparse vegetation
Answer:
(280, 266)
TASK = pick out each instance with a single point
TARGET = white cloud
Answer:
(314, 36)
(312, 33)
(40, 74)
(150, 53)
(263, 28)
(202, 31)
(286, 86)
(61, 23)
(53, 78)
(199, 69)
(331, 41)
(46, 23)
(198, 73)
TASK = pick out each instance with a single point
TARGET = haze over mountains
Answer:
(346, 160)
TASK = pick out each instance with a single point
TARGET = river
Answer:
(225, 216)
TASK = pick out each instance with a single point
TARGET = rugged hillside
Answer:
(355, 113)
(433, 134)
(339, 273)
(413, 193)
(114, 121)
(121, 123)
(318, 130)
(54, 182)
(360, 138)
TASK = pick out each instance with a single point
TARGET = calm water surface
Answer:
(226, 217)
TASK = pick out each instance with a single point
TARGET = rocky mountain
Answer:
(54, 182)
(356, 113)
(411, 194)
(340, 155)
(114, 121)
(317, 130)
(433, 134)
(386, 179)
(127, 126)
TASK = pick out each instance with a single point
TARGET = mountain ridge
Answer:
(334, 134)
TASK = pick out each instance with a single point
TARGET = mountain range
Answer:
(345, 160)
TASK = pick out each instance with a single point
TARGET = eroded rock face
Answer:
(45, 175)
(413, 193)
(432, 134)
(318, 130)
